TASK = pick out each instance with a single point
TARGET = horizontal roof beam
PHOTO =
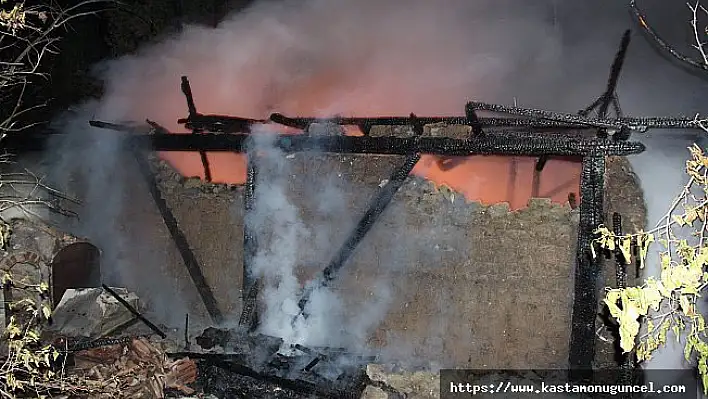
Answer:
(528, 144)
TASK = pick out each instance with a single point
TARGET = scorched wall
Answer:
(470, 285)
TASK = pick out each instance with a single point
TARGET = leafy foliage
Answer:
(28, 365)
(668, 304)
(28, 37)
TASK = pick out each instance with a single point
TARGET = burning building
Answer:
(301, 245)
(444, 296)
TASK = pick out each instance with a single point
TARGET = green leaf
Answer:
(677, 332)
(688, 348)
(626, 248)
(46, 311)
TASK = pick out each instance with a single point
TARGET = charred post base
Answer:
(582, 340)
(626, 360)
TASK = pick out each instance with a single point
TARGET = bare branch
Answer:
(694, 24)
(28, 35)
(639, 15)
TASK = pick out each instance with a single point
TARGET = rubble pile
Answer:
(111, 352)
(138, 370)
(410, 385)
(238, 363)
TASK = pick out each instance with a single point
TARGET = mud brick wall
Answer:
(481, 304)
(470, 285)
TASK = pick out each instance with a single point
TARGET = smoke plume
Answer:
(367, 58)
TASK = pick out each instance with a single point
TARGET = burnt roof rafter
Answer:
(512, 145)
(523, 118)
(518, 144)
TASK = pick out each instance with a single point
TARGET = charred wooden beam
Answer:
(249, 311)
(111, 126)
(541, 163)
(582, 345)
(187, 91)
(187, 344)
(158, 128)
(602, 104)
(615, 71)
(219, 123)
(507, 144)
(249, 238)
(608, 97)
(312, 363)
(635, 124)
(587, 269)
(621, 263)
(585, 112)
(197, 122)
(134, 311)
(536, 181)
(376, 208)
(297, 123)
(250, 287)
(304, 122)
(661, 43)
(205, 165)
(180, 240)
(474, 121)
(627, 359)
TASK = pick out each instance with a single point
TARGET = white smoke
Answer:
(277, 260)
(283, 238)
(370, 57)
(89, 164)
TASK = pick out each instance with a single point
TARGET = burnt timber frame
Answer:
(529, 133)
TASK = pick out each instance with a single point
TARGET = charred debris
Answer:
(251, 358)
